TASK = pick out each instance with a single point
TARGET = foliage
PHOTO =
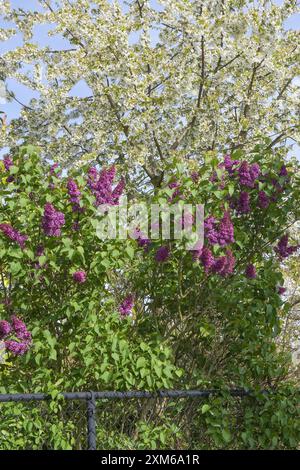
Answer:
(260, 421)
(290, 332)
(69, 320)
(187, 323)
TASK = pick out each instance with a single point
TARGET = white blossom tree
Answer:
(188, 77)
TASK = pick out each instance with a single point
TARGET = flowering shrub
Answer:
(144, 313)
(58, 274)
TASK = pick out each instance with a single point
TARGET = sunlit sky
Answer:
(24, 94)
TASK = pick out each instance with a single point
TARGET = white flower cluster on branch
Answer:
(181, 79)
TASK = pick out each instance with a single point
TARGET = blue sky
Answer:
(24, 94)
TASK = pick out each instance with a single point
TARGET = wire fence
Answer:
(173, 419)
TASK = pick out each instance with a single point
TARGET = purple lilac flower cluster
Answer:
(74, 195)
(126, 306)
(222, 265)
(229, 165)
(162, 254)
(219, 234)
(281, 290)
(13, 235)
(248, 174)
(142, 240)
(195, 176)
(207, 259)
(283, 171)
(39, 250)
(263, 200)
(52, 221)
(52, 170)
(176, 193)
(5, 329)
(76, 226)
(243, 203)
(7, 161)
(283, 250)
(101, 186)
(18, 329)
(250, 271)
(79, 277)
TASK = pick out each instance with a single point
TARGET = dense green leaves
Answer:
(188, 328)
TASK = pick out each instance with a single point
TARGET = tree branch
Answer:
(200, 93)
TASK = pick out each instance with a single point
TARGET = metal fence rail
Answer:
(148, 407)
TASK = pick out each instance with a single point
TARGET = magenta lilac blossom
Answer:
(118, 191)
(222, 233)
(226, 230)
(224, 265)
(207, 259)
(79, 277)
(263, 200)
(13, 235)
(243, 203)
(73, 191)
(52, 221)
(283, 171)
(281, 290)
(16, 348)
(20, 329)
(126, 306)
(162, 254)
(176, 193)
(5, 329)
(248, 174)
(74, 195)
(195, 176)
(101, 186)
(7, 161)
(250, 271)
(283, 250)
(229, 165)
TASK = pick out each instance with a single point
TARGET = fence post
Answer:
(91, 421)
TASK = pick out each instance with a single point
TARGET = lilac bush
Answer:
(145, 313)
(82, 296)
